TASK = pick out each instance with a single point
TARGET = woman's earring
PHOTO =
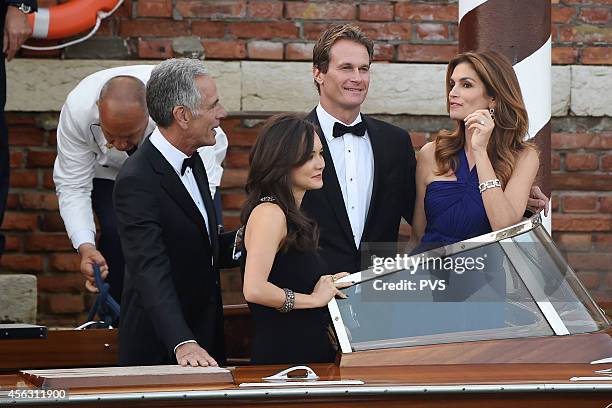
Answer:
(492, 112)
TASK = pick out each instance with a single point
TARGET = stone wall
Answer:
(268, 86)
(257, 52)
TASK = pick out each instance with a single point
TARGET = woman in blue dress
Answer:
(475, 179)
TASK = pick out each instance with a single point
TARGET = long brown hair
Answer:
(511, 120)
(285, 142)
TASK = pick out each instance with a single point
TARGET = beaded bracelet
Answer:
(289, 301)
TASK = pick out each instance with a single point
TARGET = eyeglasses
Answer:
(99, 130)
(130, 146)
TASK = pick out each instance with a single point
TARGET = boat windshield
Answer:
(512, 283)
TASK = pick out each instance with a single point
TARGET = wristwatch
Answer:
(24, 8)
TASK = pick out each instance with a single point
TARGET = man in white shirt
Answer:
(102, 122)
(171, 310)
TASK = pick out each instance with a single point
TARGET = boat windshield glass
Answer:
(508, 284)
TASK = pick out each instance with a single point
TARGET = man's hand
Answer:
(194, 355)
(537, 201)
(89, 255)
(16, 31)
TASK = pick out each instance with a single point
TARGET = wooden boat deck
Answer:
(499, 385)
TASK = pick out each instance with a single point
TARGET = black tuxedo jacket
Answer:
(393, 195)
(171, 287)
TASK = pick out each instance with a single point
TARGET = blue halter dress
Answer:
(454, 209)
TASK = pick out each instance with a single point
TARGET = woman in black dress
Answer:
(283, 283)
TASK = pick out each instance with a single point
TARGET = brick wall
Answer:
(404, 31)
(582, 201)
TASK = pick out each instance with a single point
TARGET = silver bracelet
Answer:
(289, 301)
(489, 184)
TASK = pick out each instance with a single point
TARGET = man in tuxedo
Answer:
(171, 307)
(369, 177)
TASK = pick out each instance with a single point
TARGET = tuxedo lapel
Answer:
(331, 186)
(173, 185)
(201, 178)
(377, 153)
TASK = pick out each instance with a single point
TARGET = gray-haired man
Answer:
(171, 306)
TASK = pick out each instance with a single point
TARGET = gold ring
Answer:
(334, 279)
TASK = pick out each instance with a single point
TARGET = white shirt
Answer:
(213, 157)
(353, 161)
(175, 157)
(82, 154)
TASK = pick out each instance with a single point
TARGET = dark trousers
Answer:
(109, 244)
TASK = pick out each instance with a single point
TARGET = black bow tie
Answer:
(188, 162)
(357, 130)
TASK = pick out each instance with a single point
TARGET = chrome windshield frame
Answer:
(538, 295)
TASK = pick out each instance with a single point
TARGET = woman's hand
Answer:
(327, 288)
(480, 125)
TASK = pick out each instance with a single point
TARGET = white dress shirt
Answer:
(213, 157)
(175, 157)
(353, 161)
(82, 154)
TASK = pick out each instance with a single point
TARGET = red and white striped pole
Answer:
(520, 30)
